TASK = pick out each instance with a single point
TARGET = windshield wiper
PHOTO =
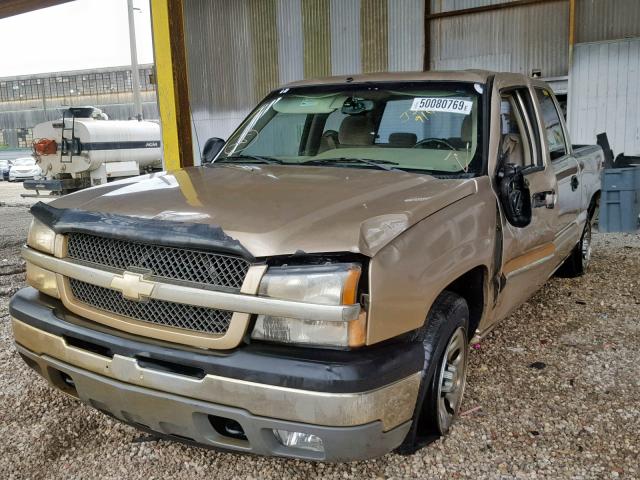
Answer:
(252, 158)
(381, 164)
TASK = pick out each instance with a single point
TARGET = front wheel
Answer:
(446, 346)
(451, 380)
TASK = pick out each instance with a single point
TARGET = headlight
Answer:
(41, 237)
(332, 284)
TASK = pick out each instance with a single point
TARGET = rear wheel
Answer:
(445, 340)
(578, 261)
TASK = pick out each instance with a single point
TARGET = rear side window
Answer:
(552, 125)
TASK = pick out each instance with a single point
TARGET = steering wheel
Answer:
(434, 141)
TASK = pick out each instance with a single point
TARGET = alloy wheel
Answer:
(452, 379)
(585, 245)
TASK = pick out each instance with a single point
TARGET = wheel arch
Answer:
(594, 204)
(472, 286)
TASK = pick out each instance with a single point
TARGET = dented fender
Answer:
(412, 269)
(377, 232)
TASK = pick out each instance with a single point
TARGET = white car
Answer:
(24, 169)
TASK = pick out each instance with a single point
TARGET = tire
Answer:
(446, 350)
(577, 263)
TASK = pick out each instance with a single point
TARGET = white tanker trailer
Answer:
(84, 149)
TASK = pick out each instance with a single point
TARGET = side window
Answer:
(552, 125)
(515, 142)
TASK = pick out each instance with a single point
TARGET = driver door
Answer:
(527, 252)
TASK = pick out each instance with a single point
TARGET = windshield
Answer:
(414, 126)
(24, 161)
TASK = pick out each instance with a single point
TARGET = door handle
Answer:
(574, 183)
(544, 199)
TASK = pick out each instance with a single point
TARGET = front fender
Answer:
(407, 275)
(379, 231)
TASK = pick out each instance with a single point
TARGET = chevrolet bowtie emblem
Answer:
(133, 286)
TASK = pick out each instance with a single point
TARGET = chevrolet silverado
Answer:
(311, 290)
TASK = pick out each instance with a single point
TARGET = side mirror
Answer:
(211, 149)
(515, 196)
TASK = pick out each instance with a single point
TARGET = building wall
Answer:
(598, 20)
(604, 94)
(26, 101)
(524, 38)
(516, 39)
(239, 50)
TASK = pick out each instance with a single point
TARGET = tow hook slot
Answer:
(227, 427)
(88, 346)
(170, 367)
(62, 381)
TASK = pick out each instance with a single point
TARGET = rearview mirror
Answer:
(515, 196)
(355, 106)
(211, 149)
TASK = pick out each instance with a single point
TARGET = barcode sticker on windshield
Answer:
(438, 104)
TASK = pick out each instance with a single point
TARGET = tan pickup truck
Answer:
(311, 291)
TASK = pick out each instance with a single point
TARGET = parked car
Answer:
(24, 169)
(312, 290)
(5, 165)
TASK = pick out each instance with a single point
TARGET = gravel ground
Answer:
(10, 195)
(553, 393)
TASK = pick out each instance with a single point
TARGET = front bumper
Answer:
(359, 403)
(21, 176)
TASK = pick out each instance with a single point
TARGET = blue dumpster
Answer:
(620, 200)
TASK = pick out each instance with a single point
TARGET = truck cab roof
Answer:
(480, 76)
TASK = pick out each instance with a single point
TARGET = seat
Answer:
(512, 149)
(466, 132)
(356, 131)
(402, 140)
(328, 141)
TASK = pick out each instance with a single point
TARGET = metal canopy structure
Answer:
(173, 87)
(9, 8)
(274, 40)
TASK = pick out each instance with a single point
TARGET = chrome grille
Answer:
(158, 312)
(207, 268)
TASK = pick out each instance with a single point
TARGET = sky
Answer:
(74, 36)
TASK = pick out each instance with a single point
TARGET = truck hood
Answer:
(280, 210)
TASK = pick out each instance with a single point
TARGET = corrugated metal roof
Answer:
(8, 8)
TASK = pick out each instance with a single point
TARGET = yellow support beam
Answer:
(572, 30)
(172, 84)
